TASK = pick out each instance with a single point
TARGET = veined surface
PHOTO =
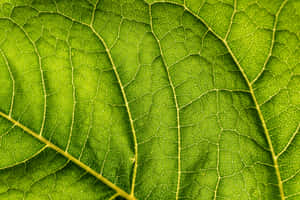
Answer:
(194, 99)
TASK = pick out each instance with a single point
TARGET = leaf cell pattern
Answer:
(133, 99)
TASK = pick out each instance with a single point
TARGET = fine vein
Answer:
(290, 141)
(176, 105)
(218, 147)
(73, 95)
(272, 43)
(231, 19)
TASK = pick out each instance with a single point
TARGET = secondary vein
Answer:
(12, 79)
(73, 93)
(125, 101)
(176, 105)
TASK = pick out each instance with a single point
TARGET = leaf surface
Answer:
(141, 99)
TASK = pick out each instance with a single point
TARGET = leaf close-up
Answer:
(149, 99)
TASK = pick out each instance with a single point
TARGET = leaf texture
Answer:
(133, 99)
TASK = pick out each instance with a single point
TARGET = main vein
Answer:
(69, 156)
(249, 84)
(176, 105)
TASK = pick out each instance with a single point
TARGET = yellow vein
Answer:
(12, 79)
(126, 105)
(41, 70)
(93, 13)
(292, 176)
(218, 148)
(27, 159)
(192, 13)
(91, 119)
(176, 105)
(70, 157)
(290, 141)
(293, 195)
(73, 96)
(272, 42)
(266, 131)
(114, 196)
(209, 91)
(231, 20)
(56, 170)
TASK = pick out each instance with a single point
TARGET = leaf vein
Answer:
(176, 105)
(40, 67)
(12, 79)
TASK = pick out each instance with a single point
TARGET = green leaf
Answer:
(137, 99)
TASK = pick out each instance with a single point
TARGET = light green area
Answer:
(210, 88)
